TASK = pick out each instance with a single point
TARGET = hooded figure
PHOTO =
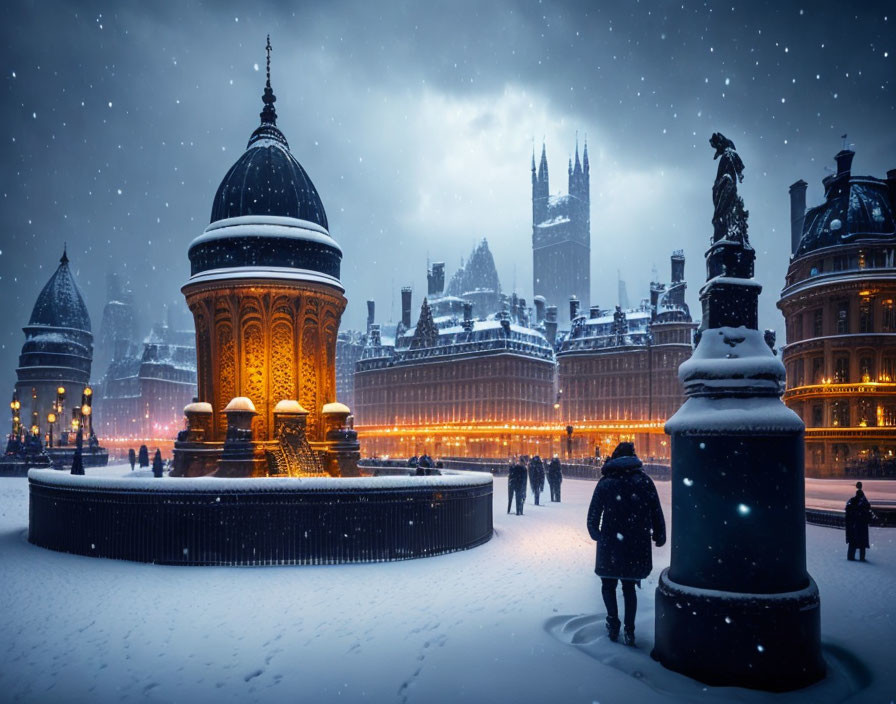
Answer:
(858, 516)
(555, 478)
(516, 487)
(625, 513)
(536, 477)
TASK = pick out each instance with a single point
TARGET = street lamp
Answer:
(51, 419)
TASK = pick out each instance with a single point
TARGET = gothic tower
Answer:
(561, 233)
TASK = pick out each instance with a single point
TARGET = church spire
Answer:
(64, 258)
(578, 168)
(543, 166)
(269, 113)
(585, 156)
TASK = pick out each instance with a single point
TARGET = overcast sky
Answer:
(416, 122)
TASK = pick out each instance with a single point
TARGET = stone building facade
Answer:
(143, 393)
(439, 385)
(623, 365)
(839, 305)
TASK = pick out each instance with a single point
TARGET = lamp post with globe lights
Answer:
(51, 421)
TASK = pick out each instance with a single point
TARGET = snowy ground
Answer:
(518, 619)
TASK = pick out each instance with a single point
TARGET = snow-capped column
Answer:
(736, 606)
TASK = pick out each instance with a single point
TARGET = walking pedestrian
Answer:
(858, 516)
(516, 487)
(555, 478)
(536, 477)
(624, 514)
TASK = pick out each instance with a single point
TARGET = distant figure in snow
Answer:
(132, 458)
(516, 487)
(143, 456)
(555, 478)
(412, 461)
(157, 466)
(625, 511)
(536, 477)
(858, 516)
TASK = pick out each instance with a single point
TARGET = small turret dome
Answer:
(60, 303)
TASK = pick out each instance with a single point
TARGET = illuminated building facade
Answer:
(839, 305)
(623, 365)
(266, 300)
(142, 395)
(448, 376)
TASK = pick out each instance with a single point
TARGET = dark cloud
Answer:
(416, 122)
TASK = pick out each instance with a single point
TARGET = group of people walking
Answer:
(534, 471)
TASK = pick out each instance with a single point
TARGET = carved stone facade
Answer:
(287, 335)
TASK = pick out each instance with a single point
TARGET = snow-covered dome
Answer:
(856, 208)
(267, 217)
(268, 180)
(60, 304)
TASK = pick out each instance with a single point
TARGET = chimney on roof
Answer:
(435, 279)
(797, 213)
(550, 324)
(371, 306)
(523, 313)
(573, 308)
(677, 266)
(406, 306)
(539, 309)
(594, 312)
(468, 315)
(844, 162)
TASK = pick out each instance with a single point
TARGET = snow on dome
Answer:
(335, 408)
(198, 407)
(241, 403)
(836, 224)
(60, 303)
(268, 180)
(289, 406)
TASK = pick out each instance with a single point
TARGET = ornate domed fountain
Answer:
(266, 470)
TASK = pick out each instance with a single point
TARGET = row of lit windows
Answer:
(870, 366)
(874, 315)
(849, 413)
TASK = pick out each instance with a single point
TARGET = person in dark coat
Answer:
(516, 487)
(157, 467)
(132, 458)
(143, 456)
(536, 477)
(625, 513)
(858, 516)
(555, 478)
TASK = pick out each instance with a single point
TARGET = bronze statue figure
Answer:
(729, 219)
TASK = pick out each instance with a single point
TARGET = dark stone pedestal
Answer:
(762, 641)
